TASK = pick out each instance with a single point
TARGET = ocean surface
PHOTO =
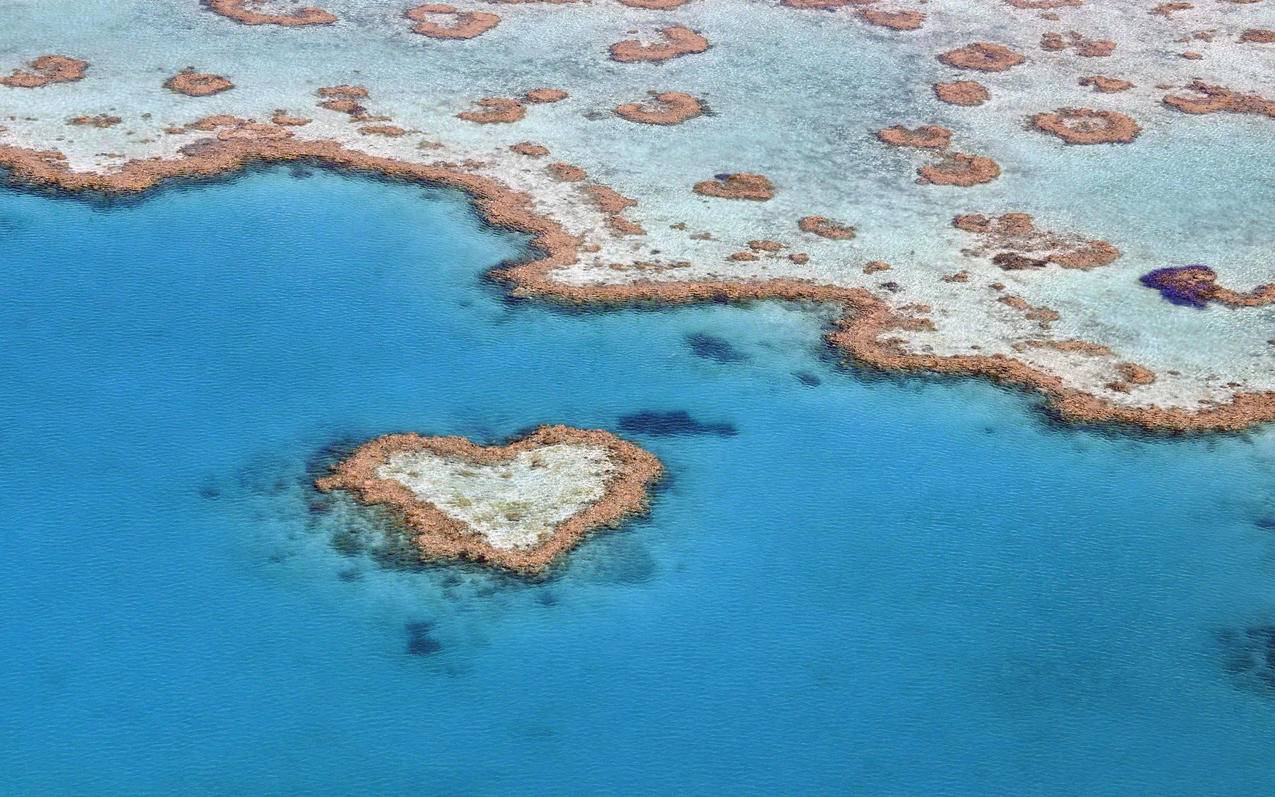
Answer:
(848, 584)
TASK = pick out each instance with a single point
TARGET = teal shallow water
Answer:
(874, 586)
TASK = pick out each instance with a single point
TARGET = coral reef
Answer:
(826, 228)
(923, 137)
(665, 108)
(45, 70)
(244, 12)
(1105, 85)
(961, 92)
(100, 120)
(678, 41)
(742, 185)
(895, 20)
(1197, 285)
(1087, 126)
(982, 57)
(960, 169)
(197, 84)
(464, 24)
(1008, 239)
(1218, 99)
(398, 470)
(495, 110)
(1084, 47)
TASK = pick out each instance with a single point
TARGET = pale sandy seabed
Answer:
(796, 95)
(549, 485)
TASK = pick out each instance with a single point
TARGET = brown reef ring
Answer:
(438, 535)
(1087, 126)
(665, 108)
(678, 41)
(197, 84)
(245, 12)
(860, 334)
(464, 24)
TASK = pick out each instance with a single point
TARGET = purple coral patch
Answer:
(1189, 286)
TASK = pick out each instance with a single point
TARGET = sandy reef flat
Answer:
(518, 506)
(981, 185)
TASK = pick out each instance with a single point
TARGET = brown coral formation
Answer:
(1044, 4)
(234, 128)
(45, 70)
(1087, 48)
(655, 5)
(245, 12)
(678, 41)
(665, 108)
(530, 149)
(566, 173)
(740, 185)
(862, 333)
(895, 20)
(463, 24)
(197, 84)
(1087, 126)
(1218, 99)
(1043, 316)
(824, 5)
(100, 120)
(1135, 374)
(1068, 345)
(923, 137)
(613, 204)
(344, 91)
(960, 169)
(1197, 285)
(826, 228)
(1168, 9)
(389, 131)
(344, 99)
(982, 57)
(282, 117)
(1014, 242)
(495, 110)
(1258, 36)
(438, 535)
(543, 96)
(961, 92)
(1105, 85)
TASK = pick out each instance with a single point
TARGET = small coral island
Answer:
(519, 506)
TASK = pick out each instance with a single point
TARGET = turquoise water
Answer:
(848, 584)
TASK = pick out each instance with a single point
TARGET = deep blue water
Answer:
(848, 584)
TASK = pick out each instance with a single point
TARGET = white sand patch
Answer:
(512, 504)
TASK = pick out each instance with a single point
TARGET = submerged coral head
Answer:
(1190, 286)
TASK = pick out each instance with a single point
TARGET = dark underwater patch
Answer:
(1248, 656)
(1266, 522)
(419, 641)
(546, 598)
(808, 379)
(711, 347)
(619, 559)
(677, 422)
